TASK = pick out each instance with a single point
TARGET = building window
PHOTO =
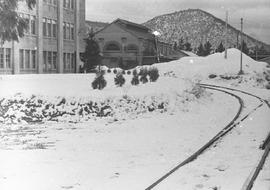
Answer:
(112, 46)
(68, 31)
(54, 26)
(44, 27)
(33, 25)
(49, 23)
(21, 59)
(27, 59)
(49, 60)
(72, 31)
(64, 60)
(27, 20)
(54, 60)
(1, 57)
(132, 47)
(68, 60)
(72, 60)
(72, 4)
(44, 60)
(34, 59)
(64, 30)
(8, 58)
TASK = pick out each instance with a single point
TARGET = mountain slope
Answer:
(197, 26)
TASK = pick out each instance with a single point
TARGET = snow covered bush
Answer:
(197, 91)
(153, 74)
(119, 80)
(128, 72)
(135, 78)
(99, 82)
(115, 71)
(143, 73)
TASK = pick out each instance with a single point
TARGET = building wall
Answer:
(47, 49)
(127, 56)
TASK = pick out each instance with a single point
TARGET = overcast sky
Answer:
(256, 13)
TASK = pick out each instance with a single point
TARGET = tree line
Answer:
(206, 48)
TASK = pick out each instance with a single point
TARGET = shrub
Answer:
(109, 71)
(153, 74)
(211, 76)
(135, 79)
(128, 72)
(123, 72)
(99, 82)
(114, 71)
(119, 80)
(143, 73)
(267, 86)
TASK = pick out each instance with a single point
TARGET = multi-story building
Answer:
(53, 41)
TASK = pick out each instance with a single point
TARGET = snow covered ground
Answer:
(149, 128)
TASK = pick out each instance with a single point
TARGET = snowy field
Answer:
(58, 133)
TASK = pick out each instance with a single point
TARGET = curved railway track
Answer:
(234, 122)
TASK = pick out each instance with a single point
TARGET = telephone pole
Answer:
(226, 35)
(241, 56)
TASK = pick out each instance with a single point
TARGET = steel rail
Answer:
(220, 134)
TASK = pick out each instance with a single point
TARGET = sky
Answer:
(256, 13)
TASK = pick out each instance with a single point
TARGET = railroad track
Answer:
(234, 122)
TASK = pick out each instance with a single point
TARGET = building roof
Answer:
(135, 29)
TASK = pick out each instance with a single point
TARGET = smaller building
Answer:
(125, 44)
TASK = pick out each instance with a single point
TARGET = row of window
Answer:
(68, 4)
(28, 59)
(49, 60)
(69, 61)
(5, 58)
(50, 2)
(68, 31)
(31, 22)
(114, 46)
(49, 27)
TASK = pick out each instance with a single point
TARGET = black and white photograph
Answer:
(134, 95)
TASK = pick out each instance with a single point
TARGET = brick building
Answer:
(53, 41)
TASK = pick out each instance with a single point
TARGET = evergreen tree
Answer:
(220, 48)
(188, 46)
(200, 51)
(181, 44)
(245, 49)
(91, 56)
(207, 48)
(12, 26)
(175, 46)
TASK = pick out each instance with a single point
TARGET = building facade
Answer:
(53, 41)
(126, 44)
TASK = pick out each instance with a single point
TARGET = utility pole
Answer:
(241, 56)
(226, 35)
